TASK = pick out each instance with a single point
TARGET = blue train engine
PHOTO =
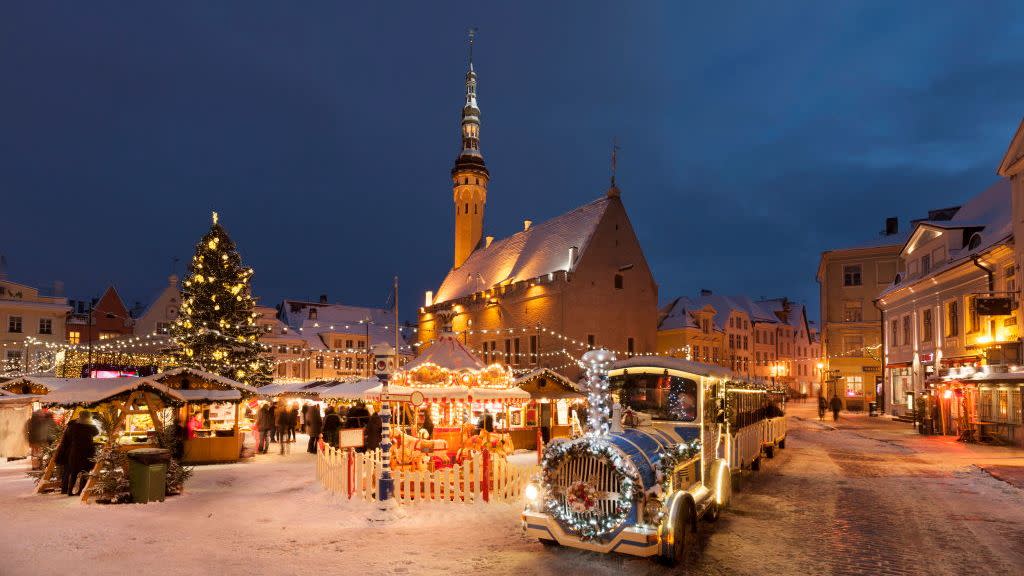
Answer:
(640, 483)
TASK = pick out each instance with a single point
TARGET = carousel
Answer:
(449, 406)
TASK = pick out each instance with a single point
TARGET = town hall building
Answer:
(540, 297)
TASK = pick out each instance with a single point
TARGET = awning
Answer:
(961, 359)
(899, 365)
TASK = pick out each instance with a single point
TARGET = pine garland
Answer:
(110, 482)
(216, 328)
(49, 452)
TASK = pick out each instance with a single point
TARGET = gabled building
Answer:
(104, 319)
(156, 319)
(578, 280)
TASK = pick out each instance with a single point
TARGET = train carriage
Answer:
(640, 489)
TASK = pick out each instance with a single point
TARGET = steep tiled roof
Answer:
(678, 314)
(540, 250)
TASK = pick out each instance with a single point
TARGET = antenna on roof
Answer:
(472, 35)
(613, 190)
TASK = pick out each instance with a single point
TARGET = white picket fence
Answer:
(354, 476)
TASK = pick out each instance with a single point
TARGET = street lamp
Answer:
(821, 378)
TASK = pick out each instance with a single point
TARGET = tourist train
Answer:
(667, 463)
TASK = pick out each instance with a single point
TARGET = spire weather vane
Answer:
(472, 34)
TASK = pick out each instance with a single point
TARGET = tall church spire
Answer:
(469, 175)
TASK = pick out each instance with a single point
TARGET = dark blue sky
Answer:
(753, 135)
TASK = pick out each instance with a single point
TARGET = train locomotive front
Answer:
(640, 489)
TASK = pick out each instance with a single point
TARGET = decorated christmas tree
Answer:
(216, 328)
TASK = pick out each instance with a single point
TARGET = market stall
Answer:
(554, 408)
(130, 413)
(15, 411)
(212, 413)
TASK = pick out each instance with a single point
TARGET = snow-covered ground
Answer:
(865, 498)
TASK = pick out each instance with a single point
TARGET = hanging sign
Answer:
(993, 306)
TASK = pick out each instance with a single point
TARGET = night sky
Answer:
(752, 136)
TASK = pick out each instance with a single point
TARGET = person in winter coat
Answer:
(76, 451)
(836, 405)
(357, 416)
(281, 420)
(194, 423)
(332, 422)
(822, 407)
(314, 425)
(305, 419)
(265, 424)
(42, 431)
(372, 432)
(295, 421)
(273, 418)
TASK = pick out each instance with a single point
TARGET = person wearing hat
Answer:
(76, 451)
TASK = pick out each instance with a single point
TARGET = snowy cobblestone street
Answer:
(865, 497)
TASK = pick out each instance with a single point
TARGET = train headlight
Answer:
(531, 492)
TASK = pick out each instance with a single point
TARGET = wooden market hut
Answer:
(553, 398)
(124, 399)
(219, 399)
(15, 411)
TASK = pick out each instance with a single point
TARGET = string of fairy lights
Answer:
(47, 356)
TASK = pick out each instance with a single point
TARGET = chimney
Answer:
(892, 226)
(58, 288)
(527, 224)
(487, 241)
(573, 253)
(323, 298)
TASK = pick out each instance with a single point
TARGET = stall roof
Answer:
(546, 383)
(351, 390)
(206, 376)
(70, 391)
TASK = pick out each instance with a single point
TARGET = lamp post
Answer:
(821, 378)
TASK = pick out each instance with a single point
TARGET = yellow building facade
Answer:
(851, 334)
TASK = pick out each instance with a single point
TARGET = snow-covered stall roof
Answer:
(203, 375)
(447, 352)
(279, 388)
(350, 390)
(532, 253)
(89, 391)
(546, 383)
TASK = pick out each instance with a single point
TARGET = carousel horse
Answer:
(473, 442)
(416, 453)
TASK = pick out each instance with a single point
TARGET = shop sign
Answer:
(350, 438)
(870, 369)
(927, 357)
(993, 306)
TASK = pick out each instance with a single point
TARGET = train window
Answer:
(662, 397)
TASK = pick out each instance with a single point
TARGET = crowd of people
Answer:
(278, 422)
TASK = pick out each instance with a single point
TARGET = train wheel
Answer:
(769, 451)
(782, 443)
(715, 510)
(680, 532)
(755, 464)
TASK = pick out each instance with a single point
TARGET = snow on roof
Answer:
(68, 391)
(447, 352)
(542, 249)
(351, 390)
(989, 211)
(295, 313)
(679, 314)
(688, 366)
(205, 376)
(880, 241)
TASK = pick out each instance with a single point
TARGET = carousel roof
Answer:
(447, 352)
(453, 393)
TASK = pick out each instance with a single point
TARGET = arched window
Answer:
(467, 207)
(974, 242)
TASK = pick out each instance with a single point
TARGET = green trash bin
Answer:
(147, 474)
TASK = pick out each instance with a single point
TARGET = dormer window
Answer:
(926, 264)
(974, 242)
